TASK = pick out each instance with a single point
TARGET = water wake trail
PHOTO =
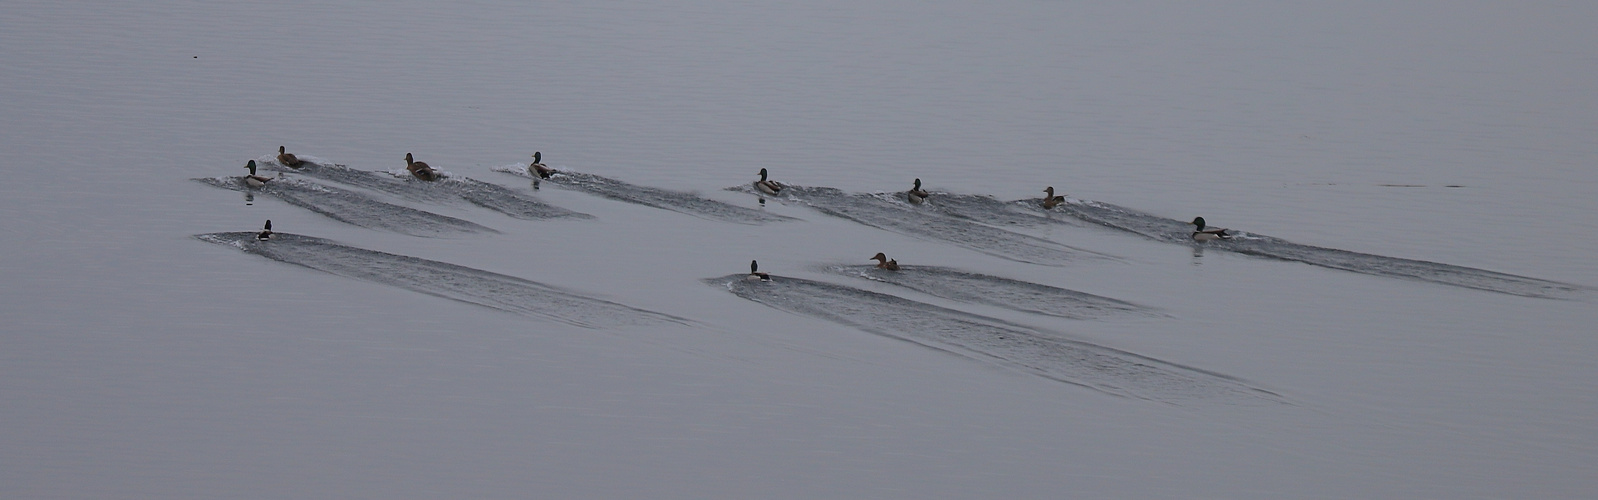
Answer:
(1047, 355)
(884, 211)
(441, 279)
(487, 195)
(1175, 231)
(354, 208)
(1024, 296)
(675, 201)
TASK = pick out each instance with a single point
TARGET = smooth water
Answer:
(141, 362)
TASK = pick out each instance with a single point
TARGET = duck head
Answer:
(918, 185)
(251, 166)
(879, 257)
(762, 175)
(1198, 221)
(408, 159)
(537, 157)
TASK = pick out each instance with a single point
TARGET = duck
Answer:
(1205, 233)
(755, 274)
(768, 187)
(537, 167)
(1051, 201)
(883, 262)
(265, 234)
(916, 195)
(287, 159)
(252, 180)
(421, 170)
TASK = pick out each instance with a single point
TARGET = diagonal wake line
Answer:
(988, 209)
(878, 211)
(675, 201)
(1024, 296)
(354, 208)
(487, 195)
(442, 279)
(1104, 369)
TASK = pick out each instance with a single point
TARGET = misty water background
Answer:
(139, 362)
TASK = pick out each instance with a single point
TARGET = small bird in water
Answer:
(287, 159)
(767, 186)
(1050, 200)
(755, 274)
(265, 234)
(421, 170)
(883, 262)
(916, 195)
(537, 167)
(1203, 233)
(253, 180)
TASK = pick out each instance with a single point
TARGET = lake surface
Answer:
(139, 361)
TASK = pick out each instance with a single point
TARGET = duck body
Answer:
(421, 170)
(253, 180)
(755, 274)
(1050, 200)
(288, 159)
(883, 262)
(916, 196)
(1206, 233)
(538, 169)
(767, 186)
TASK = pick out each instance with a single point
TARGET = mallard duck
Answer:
(768, 187)
(265, 234)
(755, 274)
(916, 195)
(1204, 233)
(884, 263)
(538, 169)
(253, 180)
(421, 170)
(1051, 201)
(287, 159)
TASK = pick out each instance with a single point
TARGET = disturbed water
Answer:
(483, 337)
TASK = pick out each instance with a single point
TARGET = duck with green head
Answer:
(767, 186)
(537, 167)
(916, 195)
(755, 274)
(1206, 233)
(253, 180)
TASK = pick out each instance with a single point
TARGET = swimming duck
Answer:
(755, 274)
(265, 234)
(768, 187)
(537, 167)
(884, 263)
(916, 195)
(1203, 234)
(287, 159)
(421, 170)
(253, 180)
(1051, 200)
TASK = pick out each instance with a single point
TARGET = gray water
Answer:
(140, 362)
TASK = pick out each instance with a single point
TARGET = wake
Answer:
(487, 195)
(675, 201)
(954, 284)
(450, 281)
(1175, 231)
(354, 208)
(884, 211)
(1075, 362)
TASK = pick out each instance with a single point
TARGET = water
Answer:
(140, 362)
